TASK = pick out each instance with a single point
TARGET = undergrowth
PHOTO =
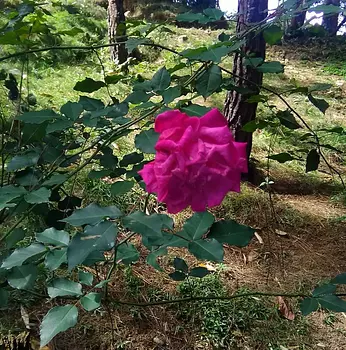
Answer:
(239, 322)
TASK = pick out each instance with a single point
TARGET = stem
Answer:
(231, 297)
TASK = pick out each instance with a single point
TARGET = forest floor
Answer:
(300, 237)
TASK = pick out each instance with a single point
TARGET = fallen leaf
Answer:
(208, 267)
(25, 317)
(259, 238)
(285, 310)
(281, 233)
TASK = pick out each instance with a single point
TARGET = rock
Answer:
(183, 38)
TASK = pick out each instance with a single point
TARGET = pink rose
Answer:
(197, 161)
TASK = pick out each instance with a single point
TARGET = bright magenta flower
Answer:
(197, 161)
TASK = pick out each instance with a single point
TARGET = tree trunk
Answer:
(330, 21)
(117, 30)
(298, 20)
(237, 110)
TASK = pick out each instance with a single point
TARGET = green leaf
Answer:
(273, 34)
(171, 94)
(108, 159)
(271, 67)
(8, 193)
(133, 43)
(199, 272)
(127, 254)
(114, 78)
(92, 214)
(91, 301)
(197, 226)
(16, 235)
(38, 117)
(20, 255)
(287, 119)
(118, 110)
(339, 279)
(319, 87)
(72, 110)
(55, 258)
(22, 277)
(93, 258)
(213, 53)
(59, 125)
(101, 284)
(91, 104)
(58, 319)
(161, 80)
(146, 225)
(326, 9)
(71, 32)
(282, 157)
(54, 237)
(88, 85)
(99, 174)
(189, 17)
(209, 249)
(180, 265)
(138, 96)
(56, 179)
(257, 99)
(324, 289)
(132, 158)
(253, 125)
(85, 277)
(33, 132)
(177, 276)
(224, 37)
(312, 161)
(210, 81)
(23, 161)
(28, 177)
(146, 141)
(94, 238)
(308, 305)
(253, 61)
(39, 196)
(320, 103)
(63, 287)
(194, 110)
(230, 232)
(3, 298)
(121, 187)
(213, 14)
(332, 303)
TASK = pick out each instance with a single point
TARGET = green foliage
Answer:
(225, 324)
(58, 319)
(51, 146)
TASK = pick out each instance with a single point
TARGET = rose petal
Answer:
(170, 120)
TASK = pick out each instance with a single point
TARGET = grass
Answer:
(239, 323)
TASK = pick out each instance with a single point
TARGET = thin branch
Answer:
(78, 47)
(231, 297)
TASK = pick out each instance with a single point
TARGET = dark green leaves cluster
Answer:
(325, 296)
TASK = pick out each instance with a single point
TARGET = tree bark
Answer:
(298, 20)
(330, 21)
(237, 110)
(117, 30)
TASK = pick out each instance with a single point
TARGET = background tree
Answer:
(298, 20)
(117, 30)
(330, 21)
(237, 110)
